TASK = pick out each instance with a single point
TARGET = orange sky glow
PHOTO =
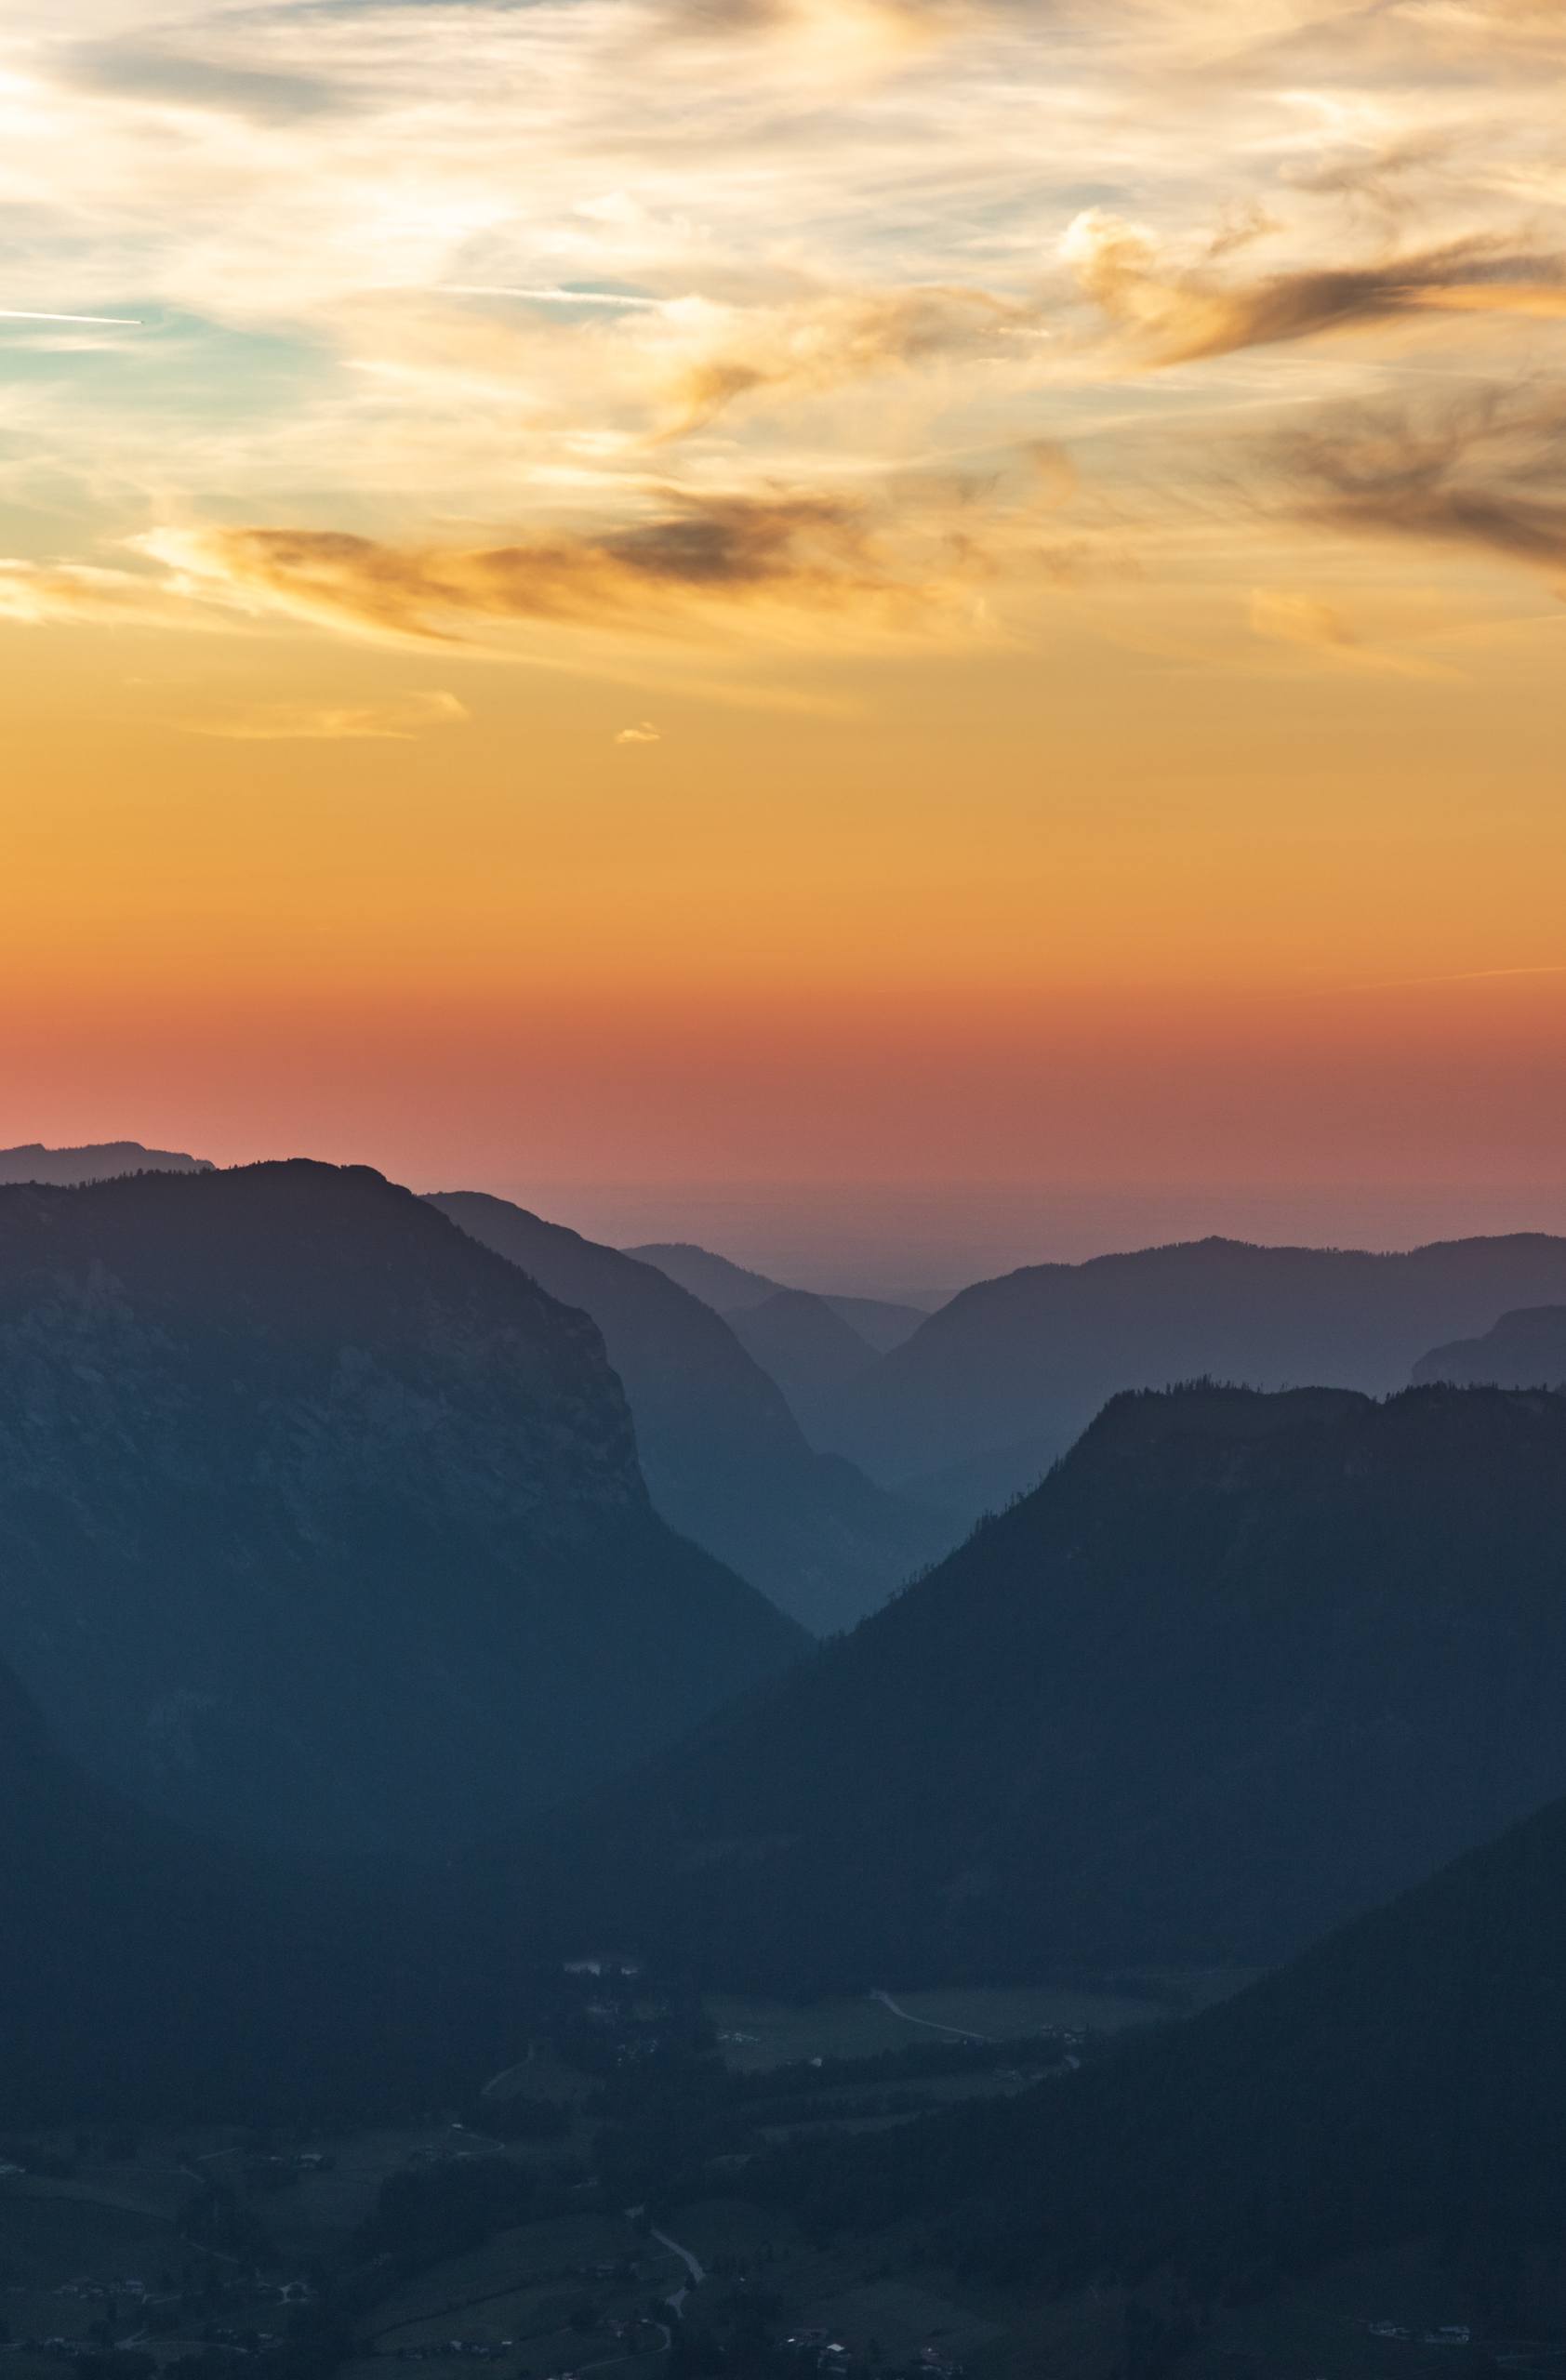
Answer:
(935, 592)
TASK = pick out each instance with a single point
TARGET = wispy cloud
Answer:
(821, 342)
(1485, 471)
(691, 570)
(398, 718)
(1321, 632)
(185, 78)
(1183, 315)
(443, 307)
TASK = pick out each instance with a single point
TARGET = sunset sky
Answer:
(750, 593)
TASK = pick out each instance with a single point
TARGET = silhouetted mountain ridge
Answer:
(322, 1526)
(1524, 1349)
(724, 1456)
(1000, 1381)
(733, 1288)
(97, 1161)
(807, 1348)
(1243, 1665)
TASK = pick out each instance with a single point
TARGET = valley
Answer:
(1131, 1950)
(214, 2249)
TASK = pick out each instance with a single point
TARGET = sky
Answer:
(649, 599)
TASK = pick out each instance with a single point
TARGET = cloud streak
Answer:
(1484, 473)
(1185, 316)
(822, 343)
(400, 719)
(693, 571)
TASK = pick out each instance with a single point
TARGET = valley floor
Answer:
(214, 2252)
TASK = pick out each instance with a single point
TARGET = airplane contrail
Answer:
(556, 296)
(105, 321)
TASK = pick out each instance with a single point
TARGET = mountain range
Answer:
(803, 1343)
(99, 1161)
(977, 1403)
(322, 1527)
(1245, 1664)
(724, 1454)
(1525, 1349)
(730, 1288)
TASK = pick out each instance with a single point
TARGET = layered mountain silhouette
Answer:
(323, 1528)
(807, 1348)
(1243, 1665)
(733, 1288)
(990, 1388)
(1403, 2081)
(724, 1455)
(99, 1161)
(1524, 1350)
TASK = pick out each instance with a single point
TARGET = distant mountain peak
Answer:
(1525, 1348)
(95, 1161)
(724, 1453)
(321, 1524)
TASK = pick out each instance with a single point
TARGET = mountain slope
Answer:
(323, 1528)
(99, 1162)
(1525, 1349)
(1023, 1363)
(1405, 2079)
(726, 1286)
(723, 1456)
(731, 1289)
(152, 1974)
(806, 1348)
(1243, 1665)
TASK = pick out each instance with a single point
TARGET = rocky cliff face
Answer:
(724, 1457)
(322, 1527)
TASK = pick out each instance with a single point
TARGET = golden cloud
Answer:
(1487, 472)
(35, 593)
(815, 345)
(1183, 316)
(684, 572)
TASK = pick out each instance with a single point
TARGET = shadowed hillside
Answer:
(154, 1974)
(731, 1289)
(1524, 1350)
(1243, 1665)
(321, 1525)
(724, 1455)
(808, 1350)
(1405, 2079)
(977, 1405)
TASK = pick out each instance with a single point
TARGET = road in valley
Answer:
(960, 2033)
(693, 2264)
